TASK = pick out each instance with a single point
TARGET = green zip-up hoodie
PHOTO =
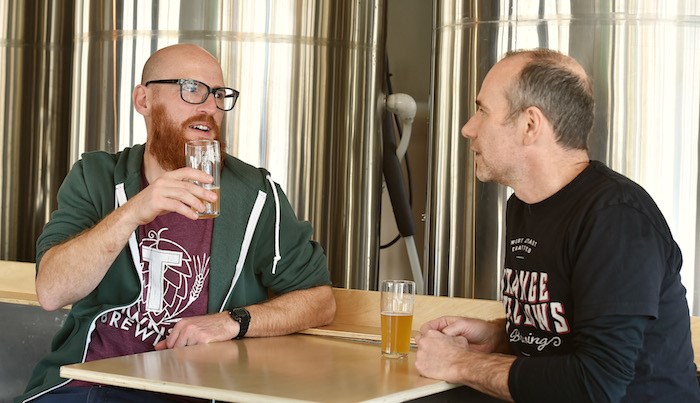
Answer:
(258, 246)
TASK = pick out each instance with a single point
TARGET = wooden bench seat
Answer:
(17, 283)
(27, 329)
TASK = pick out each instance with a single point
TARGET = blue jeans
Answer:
(106, 394)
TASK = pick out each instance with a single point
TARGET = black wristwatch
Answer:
(242, 316)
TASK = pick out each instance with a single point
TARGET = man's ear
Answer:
(535, 123)
(141, 102)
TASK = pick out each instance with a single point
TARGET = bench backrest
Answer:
(361, 308)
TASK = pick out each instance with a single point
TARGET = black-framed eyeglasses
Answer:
(196, 92)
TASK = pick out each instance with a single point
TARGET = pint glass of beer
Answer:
(205, 155)
(396, 307)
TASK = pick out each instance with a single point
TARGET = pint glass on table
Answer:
(396, 307)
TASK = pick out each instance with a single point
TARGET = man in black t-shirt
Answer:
(595, 308)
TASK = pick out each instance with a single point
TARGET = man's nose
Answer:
(468, 129)
(209, 105)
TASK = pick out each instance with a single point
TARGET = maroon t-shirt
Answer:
(175, 261)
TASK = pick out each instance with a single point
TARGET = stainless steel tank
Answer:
(644, 60)
(35, 77)
(309, 73)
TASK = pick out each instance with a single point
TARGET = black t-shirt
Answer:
(593, 296)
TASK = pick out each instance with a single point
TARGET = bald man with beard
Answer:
(126, 231)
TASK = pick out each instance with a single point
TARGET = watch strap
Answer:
(242, 316)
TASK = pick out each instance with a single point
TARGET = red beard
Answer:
(167, 142)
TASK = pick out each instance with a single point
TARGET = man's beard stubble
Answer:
(167, 141)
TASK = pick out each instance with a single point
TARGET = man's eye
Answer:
(189, 86)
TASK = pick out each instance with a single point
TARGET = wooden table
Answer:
(312, 367)
(275, 369)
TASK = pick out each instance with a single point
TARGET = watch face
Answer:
(240, 314)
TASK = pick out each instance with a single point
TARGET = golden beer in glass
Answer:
(396, 307)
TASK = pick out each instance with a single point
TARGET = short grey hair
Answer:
(558, 86)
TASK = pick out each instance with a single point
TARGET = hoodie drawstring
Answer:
(277, 257)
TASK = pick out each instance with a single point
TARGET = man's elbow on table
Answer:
(326, 305)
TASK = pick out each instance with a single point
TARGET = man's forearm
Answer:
(292, 312)
(71, 270)
(502, 343)
(487, 373)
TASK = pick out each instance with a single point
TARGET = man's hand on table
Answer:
(200, 330)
